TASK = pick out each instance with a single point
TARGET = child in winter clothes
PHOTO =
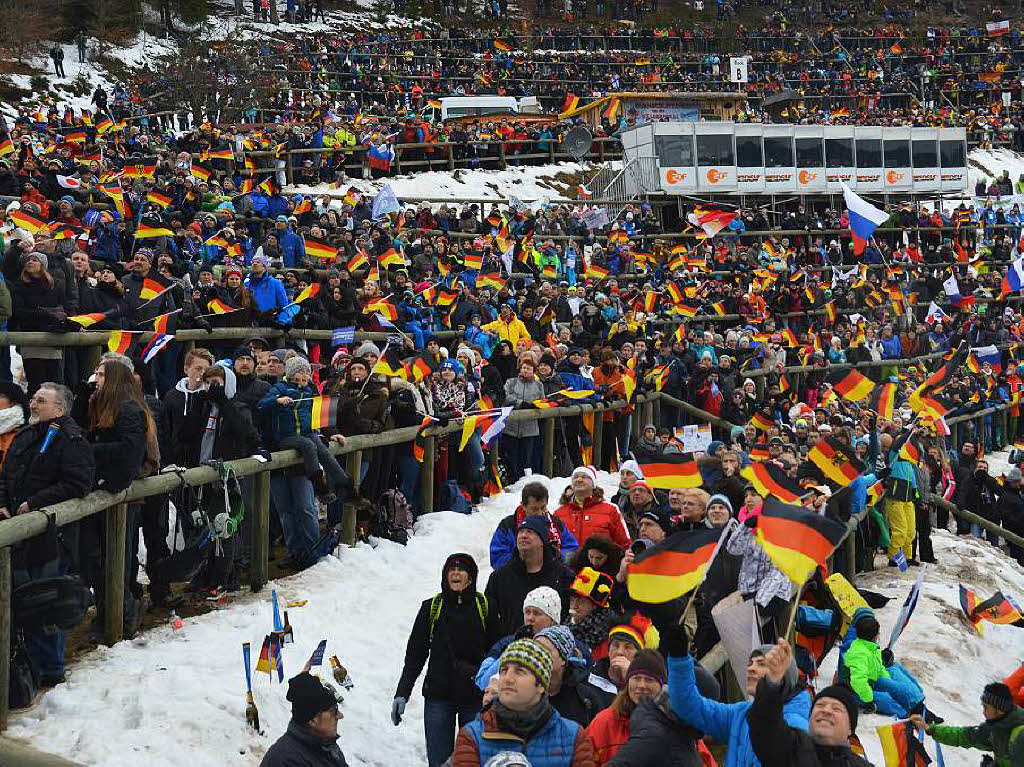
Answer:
(288, 408)
(881, 684)
(1002, 732)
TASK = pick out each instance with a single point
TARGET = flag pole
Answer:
(726, 531)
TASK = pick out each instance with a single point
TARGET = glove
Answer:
(524, 632)
(751, 522)
(674, 641)
(868, 708)
(397, 709)
(216, 394)
(887, 657)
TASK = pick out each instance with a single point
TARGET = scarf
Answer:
(554, 537)
(523, 724)
(593, 629)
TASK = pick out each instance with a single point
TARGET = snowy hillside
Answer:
(174, 698)
(990, 164)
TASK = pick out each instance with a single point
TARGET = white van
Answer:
(467, 106)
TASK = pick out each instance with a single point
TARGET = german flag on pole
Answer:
(85, 320)
(997, 609)
(798, 541)
(851, 385)
(419, 444)
(161, 323)
(836, 461)
(771, 480)
(119, 342)
(900, 746)
(596, 272)
(875, 493)
(309, 291)
(219, 306)
(674, 567)
(151, 288)
(672, 470)
(831, 313)
(883, 401)
(324, 412)
(761, 421)
(144, 231)
(359, 260)
(391, 257)
(161, 200)
(320, 249)
(26, 222)
(502, 46)
(571, 102)
(907, 449)
(416, 370)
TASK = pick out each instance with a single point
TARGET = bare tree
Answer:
(25, 28)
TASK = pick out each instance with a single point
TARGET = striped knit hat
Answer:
(531, 655)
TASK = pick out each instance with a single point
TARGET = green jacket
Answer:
(862, 667)
(1000, 736)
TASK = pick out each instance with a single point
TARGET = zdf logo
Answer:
(714, 176)
(806, 177)
(893, 177)
(674, 177)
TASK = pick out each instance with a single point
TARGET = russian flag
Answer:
(864, 217)
(990, 355)
(1014, 278)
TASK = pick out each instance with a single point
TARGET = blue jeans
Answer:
(296, 508)
(314, 455)
(897, 695)
(439, 726)
(408, 476)
(474, 451)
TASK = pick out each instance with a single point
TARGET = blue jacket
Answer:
(268, 291)
(503, 542)
(725, 722)
(293, 250)
(554, 745)
(288, 420)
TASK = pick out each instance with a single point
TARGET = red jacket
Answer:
(608, 732)
(595, 517)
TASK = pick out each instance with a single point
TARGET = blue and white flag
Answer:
(385, 202)
(909, 605)
(864, 218)
(317, 658)
(342, 336)
(901, 561)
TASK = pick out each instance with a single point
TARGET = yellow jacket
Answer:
(511, 331)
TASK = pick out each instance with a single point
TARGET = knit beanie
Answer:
(561, 637)
(537, 524)
(367, 347)
(595, 586)
(585, 471)
(633, 466)
(628, 633)
(243, 351)
(547, 600)
(649, 663)
(296, 365)
(998, 696)
(724, 500)
(845, 695)
(532, 656)
(308, 697)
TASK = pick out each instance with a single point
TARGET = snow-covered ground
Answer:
(529, 183)
(990, 164)
(175, 698)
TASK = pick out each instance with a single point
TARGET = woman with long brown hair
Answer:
(39, 302)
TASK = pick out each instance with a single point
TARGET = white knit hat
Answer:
(545, 599)
(296, 365)
(586, 471)
(633, 466)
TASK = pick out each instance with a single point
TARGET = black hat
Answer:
(548, 359)
(845, 695)
(537, 524)
(998, 696)
(649, 663)
(657, 515)
(243, 351)
(308, 697)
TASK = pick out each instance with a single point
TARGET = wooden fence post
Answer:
(353, 465)
(113, 576)
(598, 435)
(259, 565)
(5, 631)
(548, 461)
(427, 474)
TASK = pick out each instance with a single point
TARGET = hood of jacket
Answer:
(230, 380)
(471, 567)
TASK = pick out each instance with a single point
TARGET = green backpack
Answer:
(438, 602)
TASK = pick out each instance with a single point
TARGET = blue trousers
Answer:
(439, 726)
(897, 695)
(296, 508)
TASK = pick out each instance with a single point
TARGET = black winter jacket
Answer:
(508, 586)
(235, 436)
(657, 737)
(453, 652)
(120, 451)
(299, 748)
(64, 471)
(779, 745)
(579, 699)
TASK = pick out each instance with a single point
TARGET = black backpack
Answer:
(53, 602)
(392, 517)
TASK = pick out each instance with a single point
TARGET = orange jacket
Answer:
(1015, 682)
(608, 732)
(595, 517)
(616, 389)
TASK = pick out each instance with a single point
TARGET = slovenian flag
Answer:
(865, 218)
(1013, 280)
(952, 288)
(998, 28)
(989, 355)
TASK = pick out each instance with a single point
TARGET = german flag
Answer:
(836, 461)
(760, 421)
(305, 205)
(784, 385)
(324, 412)
(672, 470)
(104, 125)
(997, 609)
(758, 453)
(161, 200)
(685, 309)
(611, 111)
(571, 102)
(75, 137)
(415, 370)
(151, 288)
(900, 746)
(359, 260)
(771, 480)
(266, 185)
(718, 308)
(883, 401)
(419, 443)
(596, 272)
(490, 280)
(875, 493)
(221, 154)
(85, 320)
(851, 385)
(382, 306)
(798, 541)
(391, 257)
(502, 46)
(145, 231)
(969, 604)
(910, 451)
(144, 169)
(549, 271)
(198, 171)
(831, 313)
(674, 567)
(659, 376)
(320, 249)
(161, 323)
(446, 297)
(435, 103)
(790, 338)
(6, 147)
(309, 291)
(26, 222)
(218, 306)
(390, 365)
(674, 293)
(119, 342)
(650, 300)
